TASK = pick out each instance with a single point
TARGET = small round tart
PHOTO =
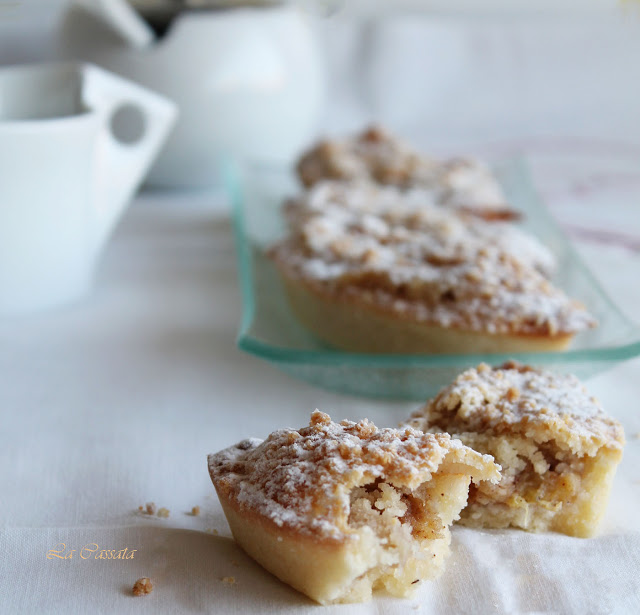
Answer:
(377, 156)
(337, 510)
(557, 447)
(373, 269)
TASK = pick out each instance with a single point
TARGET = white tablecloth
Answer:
(116, 402)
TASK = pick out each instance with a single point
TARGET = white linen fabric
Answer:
(116, 401)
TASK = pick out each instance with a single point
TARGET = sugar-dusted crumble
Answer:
(304, 478)
(377, 156)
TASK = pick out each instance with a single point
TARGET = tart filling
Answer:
(338, 510)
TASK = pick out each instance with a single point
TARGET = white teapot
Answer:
(248, 81)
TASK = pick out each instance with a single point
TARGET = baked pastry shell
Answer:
(346, 323)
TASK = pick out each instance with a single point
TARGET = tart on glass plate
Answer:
(373, 269)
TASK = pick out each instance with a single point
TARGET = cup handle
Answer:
(121, 167)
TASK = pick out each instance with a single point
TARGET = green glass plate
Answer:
(269, 329)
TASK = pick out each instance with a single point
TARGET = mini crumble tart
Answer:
(377, 156)
(557, 448)
(337, 510)
(371, 269)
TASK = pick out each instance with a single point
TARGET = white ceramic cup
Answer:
(64, 176)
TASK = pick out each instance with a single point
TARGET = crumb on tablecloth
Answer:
(148, 509)
(163, 512)
(142, 587)
(212, 531)
(229, 580)
(195, 511)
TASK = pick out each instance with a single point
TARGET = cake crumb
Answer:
(142, 587)
(212, 531)
(229, 580)
(195, 511)
(163, 512)
(149, 508)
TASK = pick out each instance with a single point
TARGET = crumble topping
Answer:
(401, 230)
(403, 252)
(377, 156)
(515, 399)
(302, 479)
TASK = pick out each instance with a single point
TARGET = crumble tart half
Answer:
(337, 510)
(369, 269)
(557, 448)
(377, 156)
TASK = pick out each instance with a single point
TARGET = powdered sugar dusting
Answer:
(302, 479)
(541, 404)
(402, 229)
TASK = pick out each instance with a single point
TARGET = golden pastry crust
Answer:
(558, 448)
(336, 510)
(363, 321)
(377, 156)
